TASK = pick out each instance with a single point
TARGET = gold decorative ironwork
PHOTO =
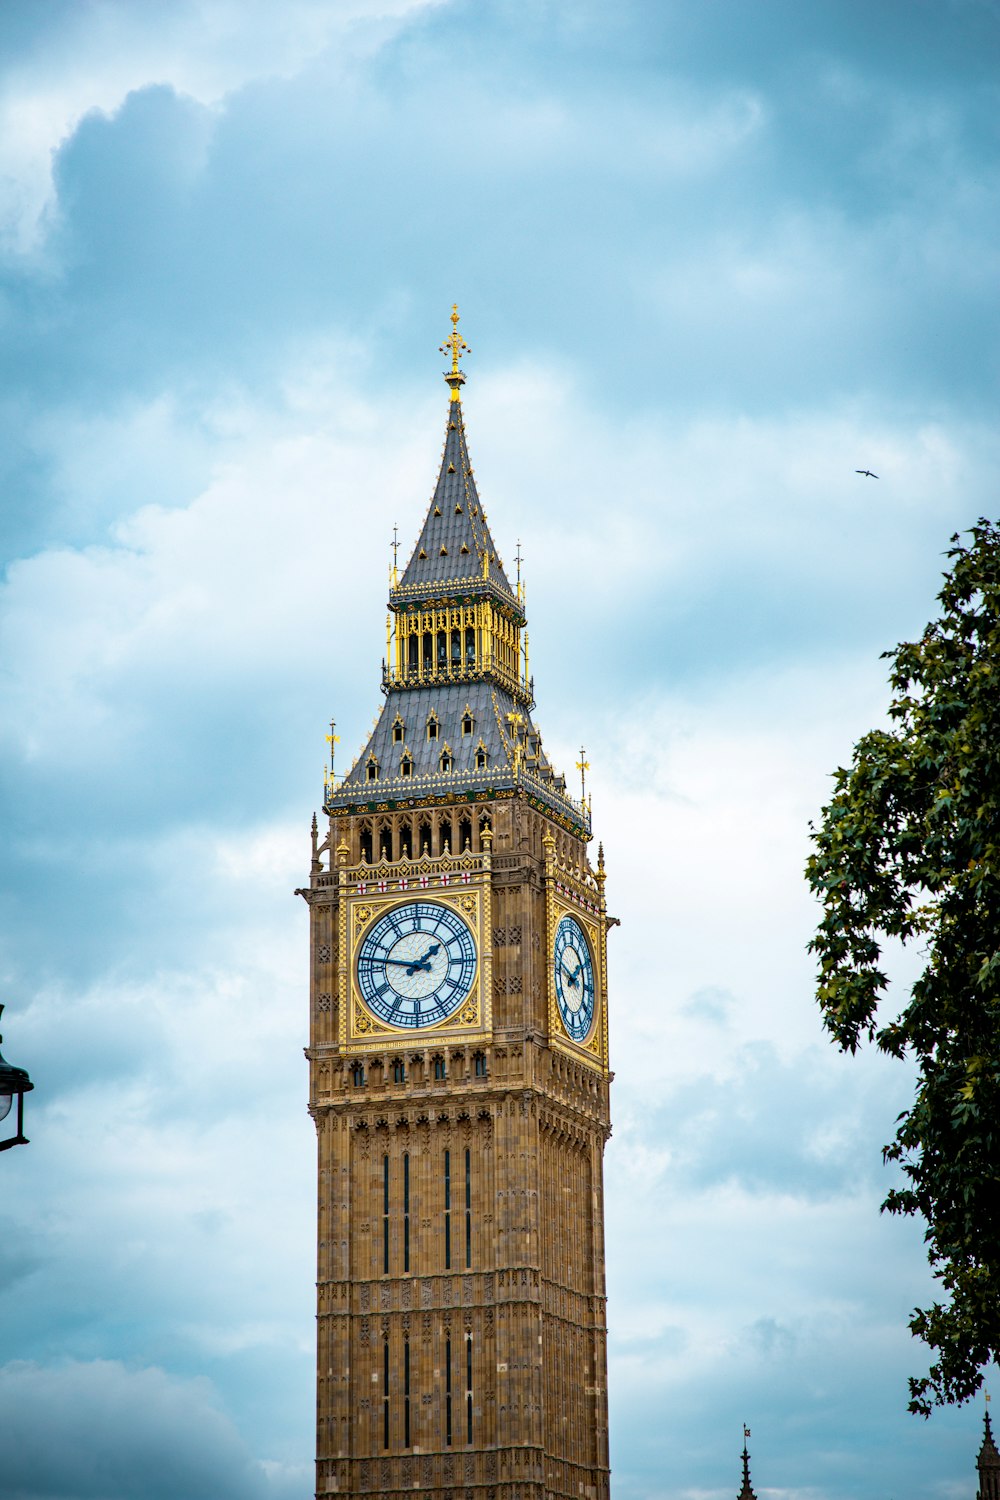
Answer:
(456, 346)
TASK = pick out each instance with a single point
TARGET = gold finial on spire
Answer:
(456, 346)
(583, 766)
(333, 740)
(394, 575)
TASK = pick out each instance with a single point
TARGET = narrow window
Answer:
(447, 1392)
(468, 724)
(366, 846)
(406, 766)
(465, 835)
(428, 652)
(425, 839)
(442, 640)
(445, 761)
(405, 843)
(432, 729)
(398, 731)
(373, 769)
(470, 645)
(468, 1387)
(385, 1393)
(413, 653)
(358, 1075)
(406, 1393)
(439, 1068)
(399, 1071)
(447, 1210)
(385, 1216)
(406, 1211)
(480, 760)
(456, 648)
(480, 1062)
(468, 1211)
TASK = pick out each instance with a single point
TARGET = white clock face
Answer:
(416, 964)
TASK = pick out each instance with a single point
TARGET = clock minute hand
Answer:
(572, 977)
(422, 964)
(411, 965)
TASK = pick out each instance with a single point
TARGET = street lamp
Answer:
(13, 1081)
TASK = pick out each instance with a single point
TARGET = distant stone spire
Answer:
(746, 1491)
(988, 1464)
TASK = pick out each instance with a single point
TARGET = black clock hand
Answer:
(574, 977)
(422, 962)
(409, 964)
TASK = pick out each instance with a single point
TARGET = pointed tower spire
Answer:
(456, 669)
(746, 1490)
(988, 1463)
(455, 546)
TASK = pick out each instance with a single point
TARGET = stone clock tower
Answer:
(459, 1059)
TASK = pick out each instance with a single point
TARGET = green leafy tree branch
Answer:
(909, 848)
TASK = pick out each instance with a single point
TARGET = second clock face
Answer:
(574, 974)
(416, 964)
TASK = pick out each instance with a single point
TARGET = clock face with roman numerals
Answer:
(416, 964)
(574, 975)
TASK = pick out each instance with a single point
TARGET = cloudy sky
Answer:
(712, 257)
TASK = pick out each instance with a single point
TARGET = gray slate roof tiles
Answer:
(455, 519)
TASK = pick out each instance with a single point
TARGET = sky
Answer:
(711, 259)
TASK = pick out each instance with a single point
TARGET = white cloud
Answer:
(190, 1143)
(204, 48)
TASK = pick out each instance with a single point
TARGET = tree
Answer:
(909, 848)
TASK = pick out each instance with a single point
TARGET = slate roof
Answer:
(490, 706)
(455, 533)
(448, 560)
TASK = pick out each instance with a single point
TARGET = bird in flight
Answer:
(867, 473)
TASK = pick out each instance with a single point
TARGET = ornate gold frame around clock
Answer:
(367, 892)
(569, 894)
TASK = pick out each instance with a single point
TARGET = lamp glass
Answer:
(6, 1100)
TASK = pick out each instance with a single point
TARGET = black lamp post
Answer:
(13, 1082)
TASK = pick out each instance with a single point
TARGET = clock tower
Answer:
(458, 1058)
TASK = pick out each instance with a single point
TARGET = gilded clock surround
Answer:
(460, 884)
(461, 1325)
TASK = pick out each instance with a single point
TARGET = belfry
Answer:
(458, 1057)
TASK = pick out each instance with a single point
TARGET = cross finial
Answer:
(456, 346)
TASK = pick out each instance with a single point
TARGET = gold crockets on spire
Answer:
(456, 346)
